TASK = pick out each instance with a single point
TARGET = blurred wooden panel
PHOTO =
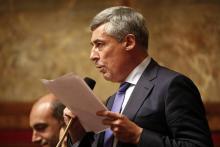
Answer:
(16, 138)
(213, 115)
(14, 124)
(14, 115)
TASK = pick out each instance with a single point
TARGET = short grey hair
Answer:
(121, 21)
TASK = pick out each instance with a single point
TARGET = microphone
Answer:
(91, 83)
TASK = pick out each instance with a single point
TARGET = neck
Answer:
(138, 56)
(135, 58)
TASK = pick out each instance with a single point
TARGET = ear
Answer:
(129, 42)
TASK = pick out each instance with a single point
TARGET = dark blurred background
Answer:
(44, 39)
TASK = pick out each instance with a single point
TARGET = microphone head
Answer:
(90, 82)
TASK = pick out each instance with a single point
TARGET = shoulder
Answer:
(168, 75)
(174, 77)
(168, 79)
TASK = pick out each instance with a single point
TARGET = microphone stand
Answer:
(65, 133)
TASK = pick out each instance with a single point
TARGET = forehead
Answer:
(100, 34)
(41, 113)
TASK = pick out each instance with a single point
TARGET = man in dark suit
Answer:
(161, 108)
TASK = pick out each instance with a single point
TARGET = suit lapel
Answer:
(141, 90)
(110, 102)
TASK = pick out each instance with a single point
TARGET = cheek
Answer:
(114, 62)
(109, 58)
(53, 131)
(110, 66)
(109, 52)
(112, 70)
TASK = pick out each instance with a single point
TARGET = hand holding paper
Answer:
(79, 98)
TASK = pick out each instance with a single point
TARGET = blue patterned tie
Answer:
(119, 98)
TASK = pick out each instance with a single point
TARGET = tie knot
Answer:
(123, 87)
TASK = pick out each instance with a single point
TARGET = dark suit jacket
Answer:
(168, 106)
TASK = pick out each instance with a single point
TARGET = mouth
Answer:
(98, 66)
(101, 68)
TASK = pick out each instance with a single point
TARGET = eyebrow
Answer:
(96, 41)
(39, 125)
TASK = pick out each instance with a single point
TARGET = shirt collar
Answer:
(136, 73)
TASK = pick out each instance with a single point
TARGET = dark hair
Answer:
(57, 108)
(121, 21)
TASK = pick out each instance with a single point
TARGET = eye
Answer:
(99, 45)
(40, 127)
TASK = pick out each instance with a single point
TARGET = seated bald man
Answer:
(46, 120)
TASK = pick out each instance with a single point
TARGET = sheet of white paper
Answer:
(79, 98)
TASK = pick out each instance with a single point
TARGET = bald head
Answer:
(46, 120)
(46, 98)
(55, 105)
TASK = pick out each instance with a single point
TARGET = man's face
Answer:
(109, 55)
(45, 127)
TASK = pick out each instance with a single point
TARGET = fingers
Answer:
(67, 112)
(112, 119)
(110, 115)
(123, 128)
(67, 115)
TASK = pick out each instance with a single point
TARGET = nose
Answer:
(94, 55)
(36, 138)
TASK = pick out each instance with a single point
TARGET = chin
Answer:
(107, 76)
